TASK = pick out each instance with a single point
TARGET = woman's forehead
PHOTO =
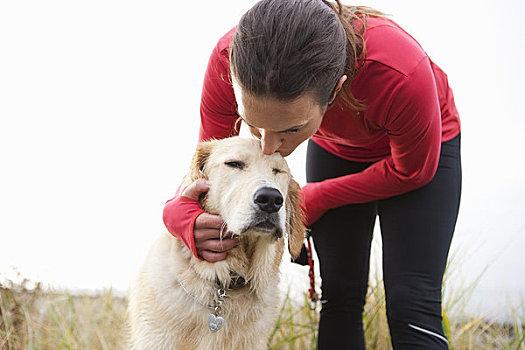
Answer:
(276, 115)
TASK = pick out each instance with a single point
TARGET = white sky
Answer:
(99, 115)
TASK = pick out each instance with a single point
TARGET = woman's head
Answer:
(289, 59)
(285, 48)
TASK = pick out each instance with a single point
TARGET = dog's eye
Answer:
(235, 164)
(277, 171)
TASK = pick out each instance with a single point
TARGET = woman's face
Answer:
(280, 125)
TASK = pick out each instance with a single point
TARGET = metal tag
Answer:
(215, 323)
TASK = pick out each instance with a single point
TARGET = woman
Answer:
(384, 140)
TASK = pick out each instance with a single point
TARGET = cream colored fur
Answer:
(163, 316)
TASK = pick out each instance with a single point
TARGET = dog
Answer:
(181, 302)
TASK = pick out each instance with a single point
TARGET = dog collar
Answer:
(236, 282)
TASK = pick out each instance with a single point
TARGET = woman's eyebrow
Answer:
(293, 128)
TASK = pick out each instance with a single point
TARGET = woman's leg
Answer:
(342, 240)
(417, 229)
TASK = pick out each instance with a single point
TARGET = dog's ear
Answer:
(295, 219)
(198, 163)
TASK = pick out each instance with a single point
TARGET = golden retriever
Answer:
(181, 302)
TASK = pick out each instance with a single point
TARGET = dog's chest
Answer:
(243, 313)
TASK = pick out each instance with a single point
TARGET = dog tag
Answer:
(215, 323)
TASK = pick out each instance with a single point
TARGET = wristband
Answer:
(179, 218)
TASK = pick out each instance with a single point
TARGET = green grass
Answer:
(32, 318)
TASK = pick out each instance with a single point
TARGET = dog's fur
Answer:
(164, 316)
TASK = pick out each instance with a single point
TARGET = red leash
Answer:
(312, 293)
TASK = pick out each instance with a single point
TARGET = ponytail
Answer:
(353, 19)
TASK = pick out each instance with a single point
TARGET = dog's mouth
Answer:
(267, 225)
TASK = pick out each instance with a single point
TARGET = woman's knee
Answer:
(409, 300)
(414, 315)
(338, 296)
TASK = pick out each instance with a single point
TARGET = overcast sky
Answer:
(99, 115)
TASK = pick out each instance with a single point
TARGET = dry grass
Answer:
(31, 318)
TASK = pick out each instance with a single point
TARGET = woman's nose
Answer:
(270, 142)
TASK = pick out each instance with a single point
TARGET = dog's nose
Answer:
(268, 199)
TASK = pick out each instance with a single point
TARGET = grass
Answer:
(32, 318)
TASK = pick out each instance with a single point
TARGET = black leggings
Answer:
(416, 229)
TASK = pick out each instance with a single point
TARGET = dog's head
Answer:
(253, 193)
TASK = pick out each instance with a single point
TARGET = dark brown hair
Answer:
(285, 48)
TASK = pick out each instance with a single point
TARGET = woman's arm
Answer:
(413, 125)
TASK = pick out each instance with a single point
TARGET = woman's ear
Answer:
(338, 88)
(198, 163)
(295, 219)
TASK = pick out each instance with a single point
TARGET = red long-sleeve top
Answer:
(410, 112)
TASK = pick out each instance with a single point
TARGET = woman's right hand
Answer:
(207, 228)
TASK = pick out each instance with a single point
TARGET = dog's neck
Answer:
(250, 265)
(239, 260)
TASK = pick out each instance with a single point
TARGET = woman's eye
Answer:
(235, 164)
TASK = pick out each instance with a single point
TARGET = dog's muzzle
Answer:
(268, 201)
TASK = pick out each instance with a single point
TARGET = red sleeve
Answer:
(218, 106)
(413, 124)
(179, 217)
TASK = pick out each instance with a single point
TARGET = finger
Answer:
(212, 256)
(217, 245)
(207, 220)
(195, 189)
(210, 233)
